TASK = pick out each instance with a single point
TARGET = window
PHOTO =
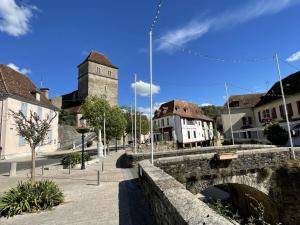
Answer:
(274, 114)
(189, 135)
(168, 121)
(244, 120)
(234, 104)
(109, 73)
(267, 113)
(185, 109)
(298, 106)
(177, 108)
(162, 122)
(158, 123)
(195, 134)
(98, 69)
(290, 110)
(282, 114)
(249, 120)
(259, 117)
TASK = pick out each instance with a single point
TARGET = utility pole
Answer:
(230, 120)
(151, 122)
(285, 109)
(135, 113)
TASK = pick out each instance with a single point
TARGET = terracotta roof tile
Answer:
(181, 108)
(100, 59)
(13, 83)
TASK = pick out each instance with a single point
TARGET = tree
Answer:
(116, 124)
(94, 109)
(130, 122)
(34, 130)
(276, 134)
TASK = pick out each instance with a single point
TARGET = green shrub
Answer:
(73, 159)
(276, 134)
(30, 197)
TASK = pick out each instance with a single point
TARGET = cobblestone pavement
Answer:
(117, 201)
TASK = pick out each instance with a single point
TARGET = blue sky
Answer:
(48, 39)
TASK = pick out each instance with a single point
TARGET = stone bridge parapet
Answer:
(171, 203)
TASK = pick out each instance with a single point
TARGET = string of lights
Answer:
(156, 17)
(289, 64)
(214, 58)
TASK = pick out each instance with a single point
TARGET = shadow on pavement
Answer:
(133, 208)
(121, 162)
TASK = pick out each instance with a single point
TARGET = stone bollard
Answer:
(13, 169)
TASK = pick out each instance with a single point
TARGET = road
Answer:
(23, 165)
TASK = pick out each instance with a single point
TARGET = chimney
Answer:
(45, 92)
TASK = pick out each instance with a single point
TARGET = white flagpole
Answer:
(285, 109)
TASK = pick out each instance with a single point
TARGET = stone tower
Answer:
(97, 76)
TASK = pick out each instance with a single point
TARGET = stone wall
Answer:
(132, 159)
(171, 203)
(204, 167)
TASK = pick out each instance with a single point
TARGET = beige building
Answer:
(242, 117)
(97, 76)
(263, 109)
(18, 93)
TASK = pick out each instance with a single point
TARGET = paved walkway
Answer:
(117, 201)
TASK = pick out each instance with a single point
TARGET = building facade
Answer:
(97, 76)
(183, 123)
(267, 108)
(242, 117)
(18, 93)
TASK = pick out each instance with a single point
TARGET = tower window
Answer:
(98, 70)
(109, 73)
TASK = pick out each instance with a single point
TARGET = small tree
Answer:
(276, 134)
(94, 109)
(34, 130)
(116, 124)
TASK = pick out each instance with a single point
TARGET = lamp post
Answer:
(82, 130)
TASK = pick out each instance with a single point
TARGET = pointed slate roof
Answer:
(17, 85)
(99, 58)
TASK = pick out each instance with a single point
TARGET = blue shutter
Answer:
(50, 114)
(24, 108)
(40, 112)
(24, 111)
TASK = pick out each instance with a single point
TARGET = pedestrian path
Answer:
(117, 201)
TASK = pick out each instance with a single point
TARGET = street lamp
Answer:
(82, 130)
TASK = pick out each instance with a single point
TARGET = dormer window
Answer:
(234, 104)
(185, 109)
(177, 108)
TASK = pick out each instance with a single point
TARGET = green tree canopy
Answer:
(276, 134)
(93, 109)
(116, 123)
(130, 123)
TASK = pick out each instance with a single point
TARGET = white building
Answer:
(183, 123)
(18, 93)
